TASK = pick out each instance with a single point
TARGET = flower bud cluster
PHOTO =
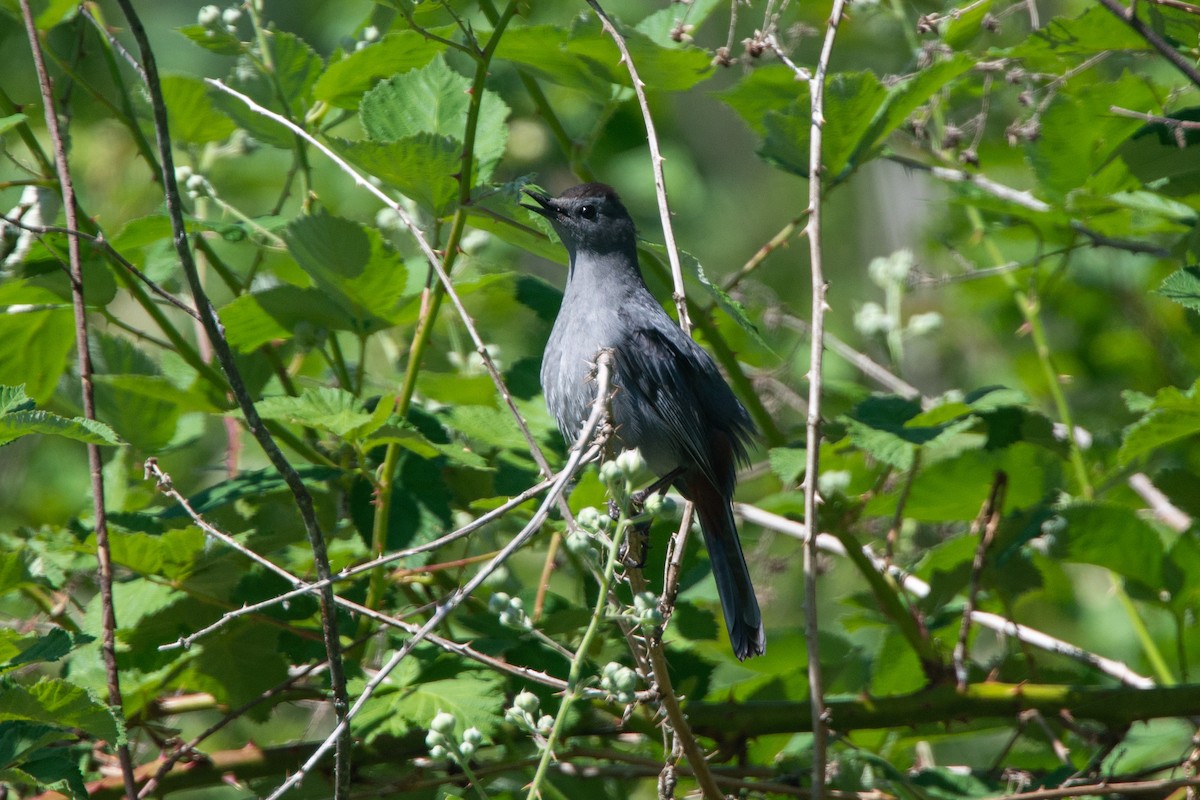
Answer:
(443, 744)
(619, 681)
(524, 714)
(511, 610)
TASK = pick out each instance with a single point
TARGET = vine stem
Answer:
(813, 422)
(108, 613)
(575, 676)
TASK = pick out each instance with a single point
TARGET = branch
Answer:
(215, 334)
(1114, 707)
(985, 619)
(95, 465)
(813, 425)
(1026, 200)
(656, 162)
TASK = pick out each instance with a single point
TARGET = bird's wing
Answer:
(678, 382)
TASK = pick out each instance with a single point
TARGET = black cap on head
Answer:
(589, 216)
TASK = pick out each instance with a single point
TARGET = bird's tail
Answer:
(742, 616)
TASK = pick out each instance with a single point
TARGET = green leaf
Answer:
(1079, 134)
(963, 26)
(344, 82)
(281, 312)
(1064, 42)
(17, 650)
(766, 89)
(15, 424)
(422, 167)
(663, 69)
(1111, 536)
(14, 570)
(475, 698)
(1183, 286)
(11, 121)
(852, 100)
(324, 408)
(34, 347)
(788, 463)
(56, 702)
(257, 483)
(351, 265)
(434, 101)
(296, 69)
(541, 51)
(1172, 416)
(216, 40)
(191, 113)
(905, 97)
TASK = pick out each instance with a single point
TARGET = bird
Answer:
(670, 403)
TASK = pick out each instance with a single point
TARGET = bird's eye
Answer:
(587, 212)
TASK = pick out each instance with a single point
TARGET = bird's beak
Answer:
(545, 206)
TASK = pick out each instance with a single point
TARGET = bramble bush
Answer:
(295, 490)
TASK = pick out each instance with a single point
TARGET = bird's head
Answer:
(588, 218)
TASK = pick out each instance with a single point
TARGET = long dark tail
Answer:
(742, 616)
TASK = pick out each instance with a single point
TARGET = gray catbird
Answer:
(670, 402)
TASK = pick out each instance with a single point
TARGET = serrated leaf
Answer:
(906, 97)
(541, 51)
(1111, 536)
(351, 265)
(17, 650)
(22, 423)
(788, 463)
(255, 319)
(434, 101)
(53, 701)
(192, 115)
(665, 69)
(658, 25)
(344, 82)
(1079, 134)
(422, 167)
(1173, 415)
(766, 89)
(1183, 286)
(475, 698)
(852, 99)
(248, 484)
(325, 408)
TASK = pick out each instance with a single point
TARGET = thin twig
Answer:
(214, 331)
(985, 527)
(813, 422)
(580, 452)
(656, 162)
(919, 588)
(95, 464)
